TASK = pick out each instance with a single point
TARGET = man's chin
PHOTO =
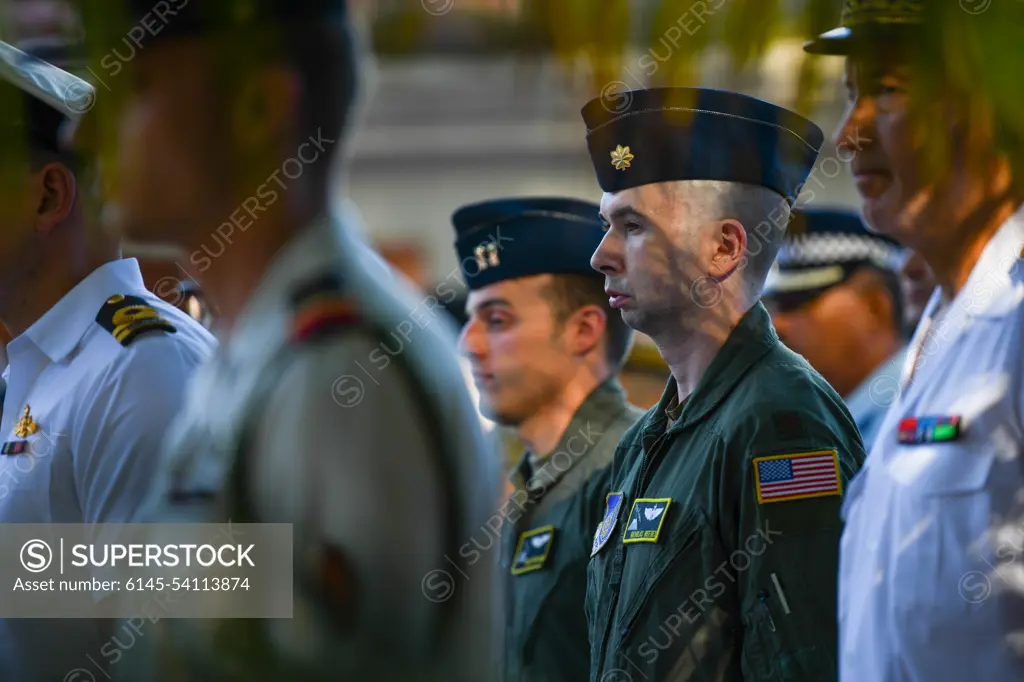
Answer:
(498, 415)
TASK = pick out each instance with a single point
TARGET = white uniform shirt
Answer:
(101, 409)
(342, 451)
(931, 569)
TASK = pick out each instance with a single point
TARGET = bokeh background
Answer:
(473, 99)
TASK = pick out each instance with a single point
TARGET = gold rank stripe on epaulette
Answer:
(128, 317)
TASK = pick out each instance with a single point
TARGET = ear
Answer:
(55, 188)
(266, 107)
(729, 248)
(584, 329)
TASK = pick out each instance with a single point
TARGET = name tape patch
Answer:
(646, 519)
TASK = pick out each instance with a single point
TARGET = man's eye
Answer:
(495, 322)
(633, 226)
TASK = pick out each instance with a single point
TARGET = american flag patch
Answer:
(797, 476)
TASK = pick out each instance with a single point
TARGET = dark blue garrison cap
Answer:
(668, 134)
(509, 238)
(823, 248)
(191, 18)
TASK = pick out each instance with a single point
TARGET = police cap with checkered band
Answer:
(824, 247)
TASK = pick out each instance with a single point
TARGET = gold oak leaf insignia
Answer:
(621, 157)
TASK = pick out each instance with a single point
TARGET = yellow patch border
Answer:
(799, 496)
(597, 532)
(657, 533)
(537, 562)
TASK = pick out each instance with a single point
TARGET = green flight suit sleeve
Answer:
(786, 551)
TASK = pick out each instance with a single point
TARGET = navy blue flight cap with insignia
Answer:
(194, 18)
(52, 97)
(669, 134)
(517, 237)
(822, 248)
(870, 23)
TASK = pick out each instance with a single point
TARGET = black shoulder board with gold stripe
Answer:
(128, 317)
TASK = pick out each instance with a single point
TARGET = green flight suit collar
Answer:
(602, 406)
(750, 341)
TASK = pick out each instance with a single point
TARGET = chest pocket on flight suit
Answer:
(659, 618)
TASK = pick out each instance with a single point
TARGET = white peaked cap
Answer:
(58, 89)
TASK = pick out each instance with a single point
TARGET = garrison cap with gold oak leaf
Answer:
(670, 134)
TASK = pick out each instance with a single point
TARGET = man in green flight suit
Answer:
(716, 557)
(545, 349)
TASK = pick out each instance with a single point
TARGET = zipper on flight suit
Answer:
(619, 560)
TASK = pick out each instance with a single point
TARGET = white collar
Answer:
(987, 294)
(58, 332)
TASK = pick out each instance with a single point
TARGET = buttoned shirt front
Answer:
(931, 572)
(93, 413)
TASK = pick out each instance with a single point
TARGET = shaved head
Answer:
(763, 213)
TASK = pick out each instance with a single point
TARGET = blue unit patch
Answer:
(613, 502)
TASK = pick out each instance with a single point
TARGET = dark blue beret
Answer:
(668, 134)
(822, 248)
(509, 238)
(866, 23)
(188, 18)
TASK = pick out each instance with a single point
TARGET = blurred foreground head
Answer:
(43, 187)
(934, 129)
(217, 111)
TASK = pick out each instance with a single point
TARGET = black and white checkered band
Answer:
(828, 249)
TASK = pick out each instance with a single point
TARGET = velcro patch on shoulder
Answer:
(321, 305)
(128, 317)
(798, 476)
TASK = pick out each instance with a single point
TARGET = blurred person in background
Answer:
(545, 349)
(332, 406)
(918, 283)
(835, 298)
(716, 557)
(98, 364)
(931, 556)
